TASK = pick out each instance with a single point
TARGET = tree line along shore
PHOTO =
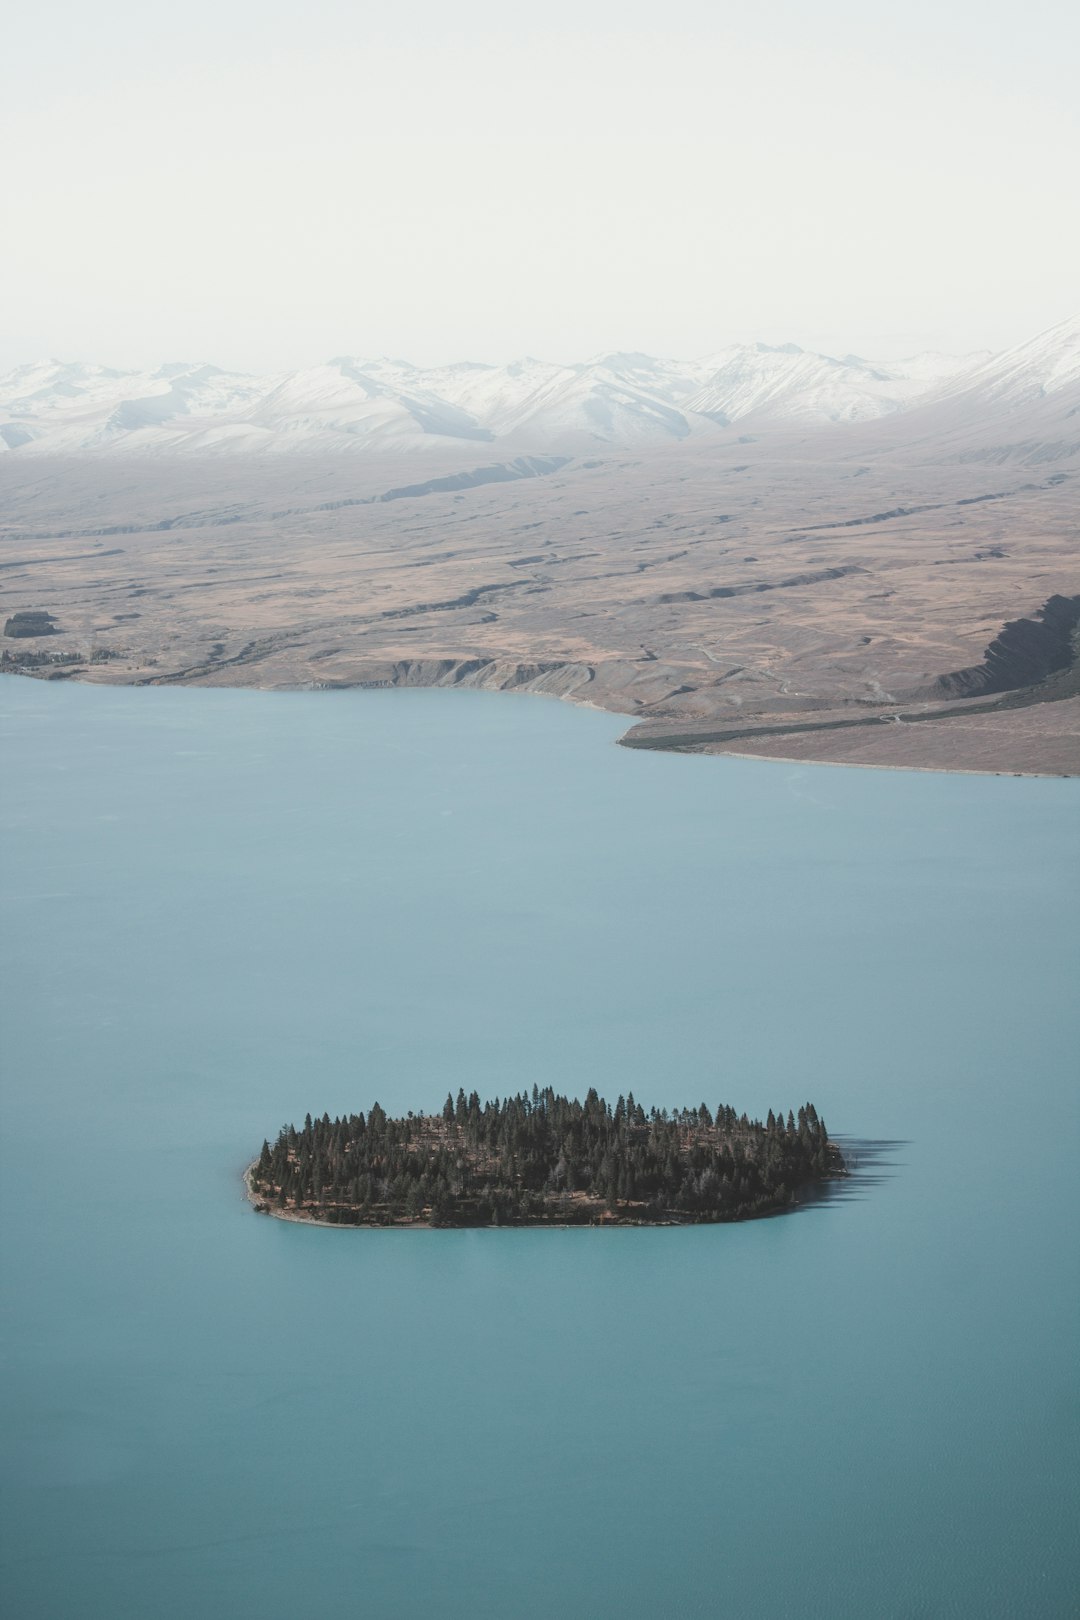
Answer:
(543, 1159)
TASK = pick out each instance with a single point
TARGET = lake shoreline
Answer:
(658, 743)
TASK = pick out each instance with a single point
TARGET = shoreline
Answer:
(875, 765)
(655, 745)
(295, 1218)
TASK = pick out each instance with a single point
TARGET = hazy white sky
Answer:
(266, 184)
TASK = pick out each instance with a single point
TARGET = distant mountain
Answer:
(1019, 408)
(789, 384)
(626, 399)
(1042, 366)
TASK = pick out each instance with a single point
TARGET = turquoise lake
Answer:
(223, 909)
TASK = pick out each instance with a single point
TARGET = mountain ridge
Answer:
(617, 398)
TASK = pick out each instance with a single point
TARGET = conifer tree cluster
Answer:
(543, 1159)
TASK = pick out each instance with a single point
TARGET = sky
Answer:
(265, 185)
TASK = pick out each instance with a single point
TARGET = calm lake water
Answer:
(223, 909)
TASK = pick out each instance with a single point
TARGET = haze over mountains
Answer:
(623, 399)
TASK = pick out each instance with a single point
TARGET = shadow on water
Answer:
(869, 1164)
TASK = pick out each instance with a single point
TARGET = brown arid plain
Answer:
(867, 594)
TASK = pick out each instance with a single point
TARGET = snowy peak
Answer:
(785, 383)
(929, 366)
(1030, 371)
(620, 397)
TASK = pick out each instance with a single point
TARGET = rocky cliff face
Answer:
(1026, 651)
(486, 674)
(23, 625)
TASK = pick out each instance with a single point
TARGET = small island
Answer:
(543, 1160)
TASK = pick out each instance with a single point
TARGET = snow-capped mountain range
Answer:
(615, 399)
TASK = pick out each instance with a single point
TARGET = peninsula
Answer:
(543, 1160)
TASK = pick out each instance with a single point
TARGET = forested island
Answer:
(543, 1160)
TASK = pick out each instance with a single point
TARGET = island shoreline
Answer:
(294, 1218)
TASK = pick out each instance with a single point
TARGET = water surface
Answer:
(222, 909)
